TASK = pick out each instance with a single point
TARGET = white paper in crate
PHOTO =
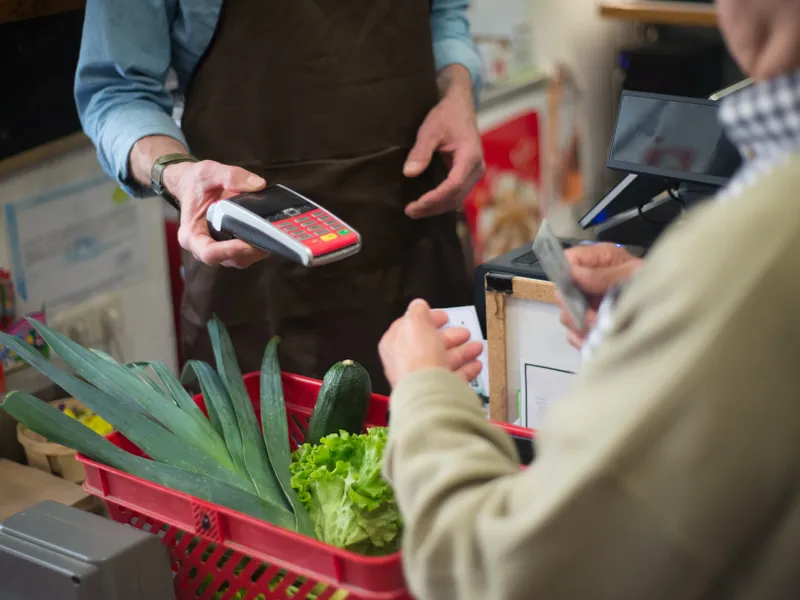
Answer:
(467, 317)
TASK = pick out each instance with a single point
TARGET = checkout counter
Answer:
(672, 154)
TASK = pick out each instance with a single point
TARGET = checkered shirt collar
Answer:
(763, 119)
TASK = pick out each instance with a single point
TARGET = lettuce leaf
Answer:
(339, 482)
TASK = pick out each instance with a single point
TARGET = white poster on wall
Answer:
(72, 242)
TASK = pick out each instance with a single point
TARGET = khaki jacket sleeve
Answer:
(673, 452)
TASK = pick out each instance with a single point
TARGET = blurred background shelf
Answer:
(687, 14)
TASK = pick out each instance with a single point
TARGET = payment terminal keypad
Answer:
(318, 230)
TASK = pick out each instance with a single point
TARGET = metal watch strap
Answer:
(157, 174)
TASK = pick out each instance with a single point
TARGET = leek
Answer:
(53, 425)
(117, 381)
(253, 450)
(215, 394)
(152, 438)
(275, 430)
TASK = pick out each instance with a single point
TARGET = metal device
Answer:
(641, 186)
(55, 551)
(281, 221)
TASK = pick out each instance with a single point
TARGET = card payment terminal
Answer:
(281, 221)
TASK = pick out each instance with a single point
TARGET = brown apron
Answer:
(325, 97)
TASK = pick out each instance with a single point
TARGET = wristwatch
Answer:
(157, 174)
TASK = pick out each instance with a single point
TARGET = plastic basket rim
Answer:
(386, 560)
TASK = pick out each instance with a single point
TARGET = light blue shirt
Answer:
(129, 46)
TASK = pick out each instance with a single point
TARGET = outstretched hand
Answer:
(196, 187)
(416, 342)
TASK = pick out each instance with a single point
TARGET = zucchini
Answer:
(342, 403)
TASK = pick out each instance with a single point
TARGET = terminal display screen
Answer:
(672, 137)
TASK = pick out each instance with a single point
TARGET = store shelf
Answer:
(36, 156)
(18, 10)
(493, 96)
(687, 14)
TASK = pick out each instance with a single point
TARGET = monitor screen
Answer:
(672, 137)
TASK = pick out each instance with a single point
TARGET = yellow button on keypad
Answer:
(328, 237)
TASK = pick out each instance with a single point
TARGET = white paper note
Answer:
(467, 317)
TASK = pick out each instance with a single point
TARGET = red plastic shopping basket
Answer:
(220, 554)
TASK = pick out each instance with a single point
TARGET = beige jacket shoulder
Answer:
(671, 471)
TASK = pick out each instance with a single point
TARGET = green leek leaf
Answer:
(151, 437)
(275, 429)
(57, 427)
(255, 455)
(119, 382)
(181, 396)
(140, 369)
(216, 396)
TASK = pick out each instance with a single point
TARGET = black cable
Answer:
(677, 198)
(658, 224)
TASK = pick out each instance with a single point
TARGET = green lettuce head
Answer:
(339, 482)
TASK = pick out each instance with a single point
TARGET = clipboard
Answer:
(525, 339)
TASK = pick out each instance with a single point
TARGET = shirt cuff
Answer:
(126, 128)
(453, 51)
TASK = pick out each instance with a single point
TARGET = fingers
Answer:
(204, 248)
(455, 336)
(470, 371)
(575, 340)
(439, 318)
(588, 323)
(419, 158)
(231, 253)
(419, 310)
(602, 254)
(598, 281)
(464, 354)
(466, 171)
(207, 182)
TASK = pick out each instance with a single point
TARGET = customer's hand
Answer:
(197, 186)
(451, 129)
(415, 342)
(595, 269)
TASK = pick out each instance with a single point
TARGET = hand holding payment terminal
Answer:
(281, 221)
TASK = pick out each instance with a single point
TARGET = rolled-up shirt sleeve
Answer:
(120, 83)
(452, 39)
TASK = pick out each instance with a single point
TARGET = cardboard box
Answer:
(10, 448)
(22, 487)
